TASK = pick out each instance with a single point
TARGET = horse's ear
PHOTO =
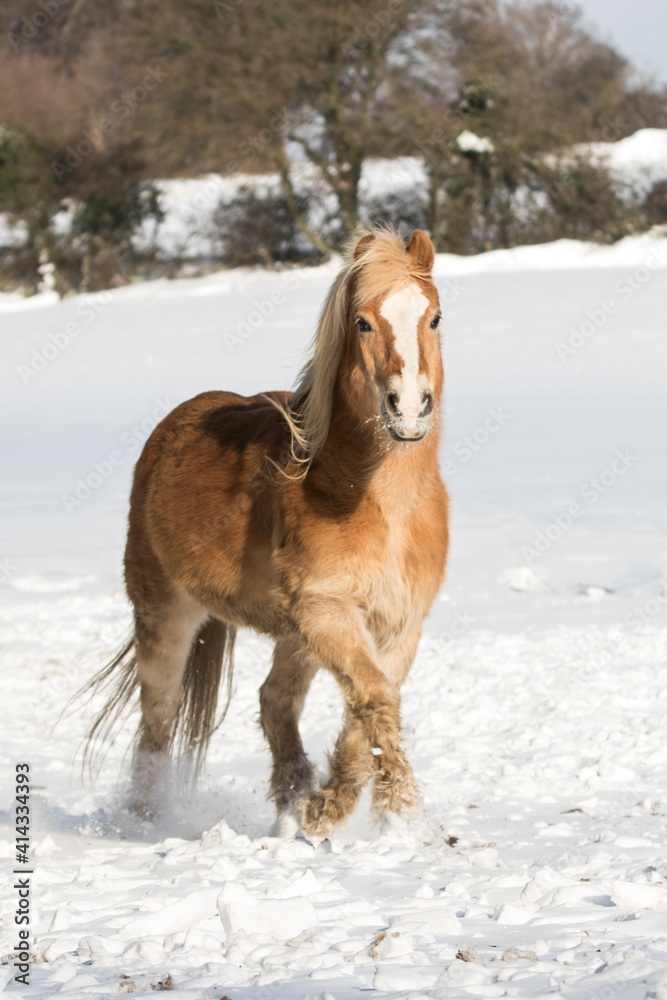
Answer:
(362, 244)
(421, 249)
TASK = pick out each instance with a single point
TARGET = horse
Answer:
(318, 518)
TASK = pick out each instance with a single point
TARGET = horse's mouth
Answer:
(395, 425)
(405, 440)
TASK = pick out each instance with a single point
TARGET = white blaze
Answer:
(403, 310)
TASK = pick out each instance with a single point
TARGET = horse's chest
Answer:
(386, 564)
(391, 591)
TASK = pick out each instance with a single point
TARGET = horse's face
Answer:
(399, 350)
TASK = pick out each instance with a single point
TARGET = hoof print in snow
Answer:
(140, 984)
(470, 955)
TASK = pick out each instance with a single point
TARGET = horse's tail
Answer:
(119, 680)
(210, 660)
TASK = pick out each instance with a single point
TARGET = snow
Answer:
(648, 250)
(640, 158)
(190, 203)
(468, 142)
(534, 714)
(11, 233)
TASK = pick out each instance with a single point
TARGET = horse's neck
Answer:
(405, 476)
(359, 458)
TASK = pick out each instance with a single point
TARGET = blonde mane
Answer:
(380, 266)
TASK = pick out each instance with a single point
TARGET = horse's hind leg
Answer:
(164, 636)
(281, 700)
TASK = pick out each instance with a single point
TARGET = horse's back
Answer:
(213, 430)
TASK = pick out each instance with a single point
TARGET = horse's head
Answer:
(376, 352)
(393, 320)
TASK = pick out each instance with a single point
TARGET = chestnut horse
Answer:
(318, 518)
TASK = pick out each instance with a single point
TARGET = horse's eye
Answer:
(435, 321)
(364, 327)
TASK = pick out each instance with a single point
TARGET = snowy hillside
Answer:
(535, 712)
(190, 203)
(639, 160)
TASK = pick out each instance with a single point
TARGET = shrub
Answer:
(258, 228)
(28, 195)
(402, 209)
(655, 205)
(584, 202)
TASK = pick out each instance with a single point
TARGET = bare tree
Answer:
(519, 81)
(340, 59)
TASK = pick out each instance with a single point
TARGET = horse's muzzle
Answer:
(411, 422)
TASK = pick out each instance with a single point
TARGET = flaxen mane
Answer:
(379, 265)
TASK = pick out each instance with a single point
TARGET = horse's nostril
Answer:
(427, 404)
(392, 403)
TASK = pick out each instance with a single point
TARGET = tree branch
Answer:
(311, 234)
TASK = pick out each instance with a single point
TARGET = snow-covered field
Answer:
(534, 714)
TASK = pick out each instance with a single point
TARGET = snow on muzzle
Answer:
(408, 412)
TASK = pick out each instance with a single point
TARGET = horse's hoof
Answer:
(399, 796)
(143, 806)
(319, 814)
(286, 825)
(407, 823)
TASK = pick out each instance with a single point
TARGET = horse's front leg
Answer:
(369, 744)
(395, 664)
